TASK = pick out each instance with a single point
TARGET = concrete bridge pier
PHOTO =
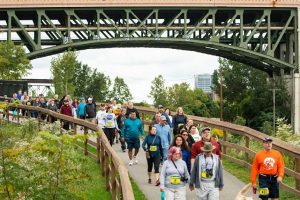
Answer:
(296, 104)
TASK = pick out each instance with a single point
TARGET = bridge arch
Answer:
(263, 62)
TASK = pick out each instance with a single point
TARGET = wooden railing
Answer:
(115, 172)
(249, 134)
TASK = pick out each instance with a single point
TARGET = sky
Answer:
(139, 66)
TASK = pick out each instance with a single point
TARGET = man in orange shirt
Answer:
(268, 165)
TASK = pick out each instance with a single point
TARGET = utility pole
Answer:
(221, 94)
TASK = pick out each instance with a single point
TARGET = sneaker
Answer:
(149, 180)
(123, 150)
(135, 161)
(130, 163)
(157, 183)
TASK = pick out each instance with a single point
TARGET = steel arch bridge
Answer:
(265, 38)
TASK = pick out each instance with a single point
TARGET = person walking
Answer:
(120, 121)
(110, 125)
(180, 142)
(179, 119)
(164, 131)
(188, 138)
(269, 166)
(66, 109)
(174, 176)
(205, 137)
(153, 149)
(90, 111)
(207, 174)
(130, 133)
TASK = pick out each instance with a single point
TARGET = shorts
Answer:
(270, 182)
(133, 143)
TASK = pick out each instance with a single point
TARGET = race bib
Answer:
(264, 191)
(175, 180)
(153, 148)
(109, 124)
(203, 174)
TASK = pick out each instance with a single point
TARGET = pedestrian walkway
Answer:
(139, 174)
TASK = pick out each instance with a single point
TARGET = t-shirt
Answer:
(109, 120)
(100, 118)
(196, 137)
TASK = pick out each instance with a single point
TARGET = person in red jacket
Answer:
(269, 166)
(205, 137)
(66, 109)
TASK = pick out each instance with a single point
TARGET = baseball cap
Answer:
(81, 99)
(204, 129)
(163, 117)
(267, 139)
(90, 99)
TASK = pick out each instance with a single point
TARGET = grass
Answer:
(94, 187)
(138, 194)
(243, 174)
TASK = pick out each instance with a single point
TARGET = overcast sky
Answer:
(139, 66)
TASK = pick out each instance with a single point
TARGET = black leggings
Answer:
(153, 160)
(110, 134)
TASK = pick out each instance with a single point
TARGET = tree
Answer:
(14, 63)
(120, 90)
(247, 93)
(98, 86)
(81, 80)
(63, 71)
(158, 91)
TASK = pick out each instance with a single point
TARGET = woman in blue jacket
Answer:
(179, 141)
(154, 153)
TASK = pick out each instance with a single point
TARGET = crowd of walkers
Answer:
(174, 147)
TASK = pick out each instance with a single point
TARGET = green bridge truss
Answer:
(265, 38)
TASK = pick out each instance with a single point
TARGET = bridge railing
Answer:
(248, 135)
(112, 168)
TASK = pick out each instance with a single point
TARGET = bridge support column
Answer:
(297, 103)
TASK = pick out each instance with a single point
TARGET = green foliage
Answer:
(81, 79)
(158, 91)
(98, 86)
(40, 165)
(284, 131)
(14, 63)
(63, 71)
(247, 93)
(120, 91)
(194, 102)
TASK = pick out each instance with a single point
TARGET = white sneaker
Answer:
(130, 163)
(135, 161)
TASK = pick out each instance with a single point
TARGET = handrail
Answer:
(118, 184)
(286, 148)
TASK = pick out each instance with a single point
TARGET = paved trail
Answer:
(139, 174)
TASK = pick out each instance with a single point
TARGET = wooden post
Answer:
(61, 125)
(7, 114)
(225, 139)
(39, 120)
(75, 128)
(102, 158)
(18, 116)
(107, 171)
(247, 144)
(86, 141)
(297, 169)
(98, 149)
(113, 181)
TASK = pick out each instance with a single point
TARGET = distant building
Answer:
(204, 82)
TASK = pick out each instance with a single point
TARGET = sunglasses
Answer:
(184, 134)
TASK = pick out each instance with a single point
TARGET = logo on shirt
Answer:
(269, 163)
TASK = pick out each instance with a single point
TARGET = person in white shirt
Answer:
(100, 116)
(110, 125)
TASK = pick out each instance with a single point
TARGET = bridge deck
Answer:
(148, 3)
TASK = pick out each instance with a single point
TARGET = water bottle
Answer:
(162, 195)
